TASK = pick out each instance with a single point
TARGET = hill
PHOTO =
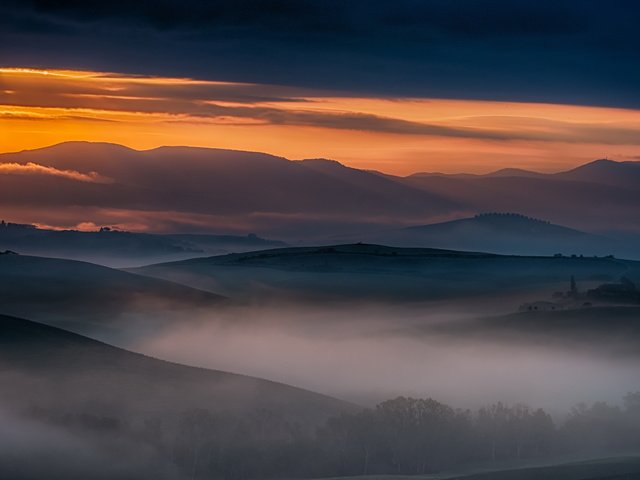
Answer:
(92, 299)
(612, 468)
(379, 273)
(607, 468)
(505, 233)
(85, 371)
(585, 205)
(612, 331)
(608, 172)
(75, 408)
(117, 248)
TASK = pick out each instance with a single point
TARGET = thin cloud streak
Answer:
(31, 168)
(145, 112)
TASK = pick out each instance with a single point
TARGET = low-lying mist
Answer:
(368, 353)
(31, 449)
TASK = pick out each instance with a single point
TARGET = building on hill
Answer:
(573, 287)
(572, 294)
(623, 293)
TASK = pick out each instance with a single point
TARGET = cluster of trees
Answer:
(400, 436)
(511, 215)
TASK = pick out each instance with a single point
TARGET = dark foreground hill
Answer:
(73, 407)
(379, 273)
(614, 468)
(89, 298)
(51, 367)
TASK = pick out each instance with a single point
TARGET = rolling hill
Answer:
(584, 205)
(504, 233)
(610, 468)
(117, 248)
(379, 273)
(85, 372)
(76, 408)
(92, 299)
(608, 172)
(615, 330)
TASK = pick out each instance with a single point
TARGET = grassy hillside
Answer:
(374, 272)
(608, 330)
(43, 366)
(613, 468)
(622, 468)
(122, 248)
(90, 298)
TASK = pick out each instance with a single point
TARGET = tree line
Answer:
(400, 436)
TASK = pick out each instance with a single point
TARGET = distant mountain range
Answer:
(180, 189)
(596, 197)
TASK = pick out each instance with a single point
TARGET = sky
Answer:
(400, 87)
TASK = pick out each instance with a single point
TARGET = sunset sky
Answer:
(421, 87)
(395, 135)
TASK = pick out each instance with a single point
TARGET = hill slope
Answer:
(89, 298)
(504, 233)
(586, 205)
(121, 248)
(75, 408)
(86, 371)
(608, 172)
(379, 273)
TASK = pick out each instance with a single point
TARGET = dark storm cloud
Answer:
(85, 97)
(561, 51)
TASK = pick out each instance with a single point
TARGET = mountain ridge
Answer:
(174, 189)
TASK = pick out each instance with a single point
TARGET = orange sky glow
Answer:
(398, 135)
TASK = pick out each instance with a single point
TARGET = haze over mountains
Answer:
(319, 240)
(184, 189)
(505, 233)
(86, 409)
(117, 248)
(386, 274)
(480, 306)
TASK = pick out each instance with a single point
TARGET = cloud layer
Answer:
(401, 135)
(31, 168)
(565, 52)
